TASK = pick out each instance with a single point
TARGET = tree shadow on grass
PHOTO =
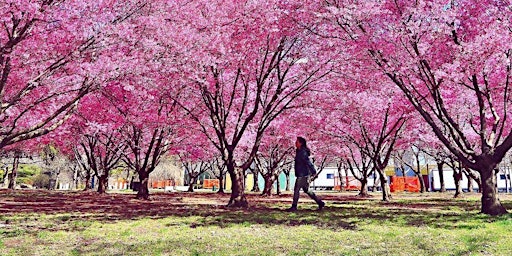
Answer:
(76, 210)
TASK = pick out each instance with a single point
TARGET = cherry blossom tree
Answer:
(273, 156)
(250, 63)
(451, 60)
(51, 55)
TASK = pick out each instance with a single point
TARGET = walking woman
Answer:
(303, 169)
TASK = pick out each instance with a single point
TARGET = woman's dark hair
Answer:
(302, 142)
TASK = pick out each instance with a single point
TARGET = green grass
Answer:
(407, 226)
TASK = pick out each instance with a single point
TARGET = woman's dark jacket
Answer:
(303, 167)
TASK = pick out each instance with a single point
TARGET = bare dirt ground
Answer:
(118, 206)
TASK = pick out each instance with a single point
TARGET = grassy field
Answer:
(77, 223)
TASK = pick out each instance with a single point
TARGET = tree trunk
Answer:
(14, 173)
(255, 187)
(422, 182)
(191, 184)
(221, 184)
(88, 185)
(343, 183)
(5, 177)
(386, 193)
(490, 203)
(143, 192)
(238, 198)
(363, 192)
(269, 182)
(470, 184)
(102, 184)
(457, 177)
(287, 183)
(420, 176)
(278, 185)
(441, 177)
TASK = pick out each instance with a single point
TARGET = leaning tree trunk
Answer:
(386, 193)
(143, 192)
(237, 198)
(269, 182)
(14, 173)
(490, 203)
(470, 184)
(441, 177)
(422, 182)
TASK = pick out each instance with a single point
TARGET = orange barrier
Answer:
(161, 183)
(399, 184)
(350, 184)
(210, 183)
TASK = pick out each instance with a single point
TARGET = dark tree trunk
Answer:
(278, 185)
(102, 184)
(5, 176)
(221, 184)
(457, 178)
(14, 173)
(419, 175)
(192, 182)
(255, 187)
(287, 183)
(490, 203)
(422, 182)
(88, 185)
(143, 192)
(237, 198)
(441, 177)
(363, 192)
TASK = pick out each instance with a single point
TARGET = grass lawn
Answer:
(77, 223)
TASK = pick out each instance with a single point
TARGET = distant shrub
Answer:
(41, 181)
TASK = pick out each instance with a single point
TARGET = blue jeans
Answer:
(303, 183)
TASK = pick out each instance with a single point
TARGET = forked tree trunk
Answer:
(143, 192)
(386, 193)
(269, 182)
(237, 198)
(102, 184)
(490, 203)
(363, 192)
(193, 181)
